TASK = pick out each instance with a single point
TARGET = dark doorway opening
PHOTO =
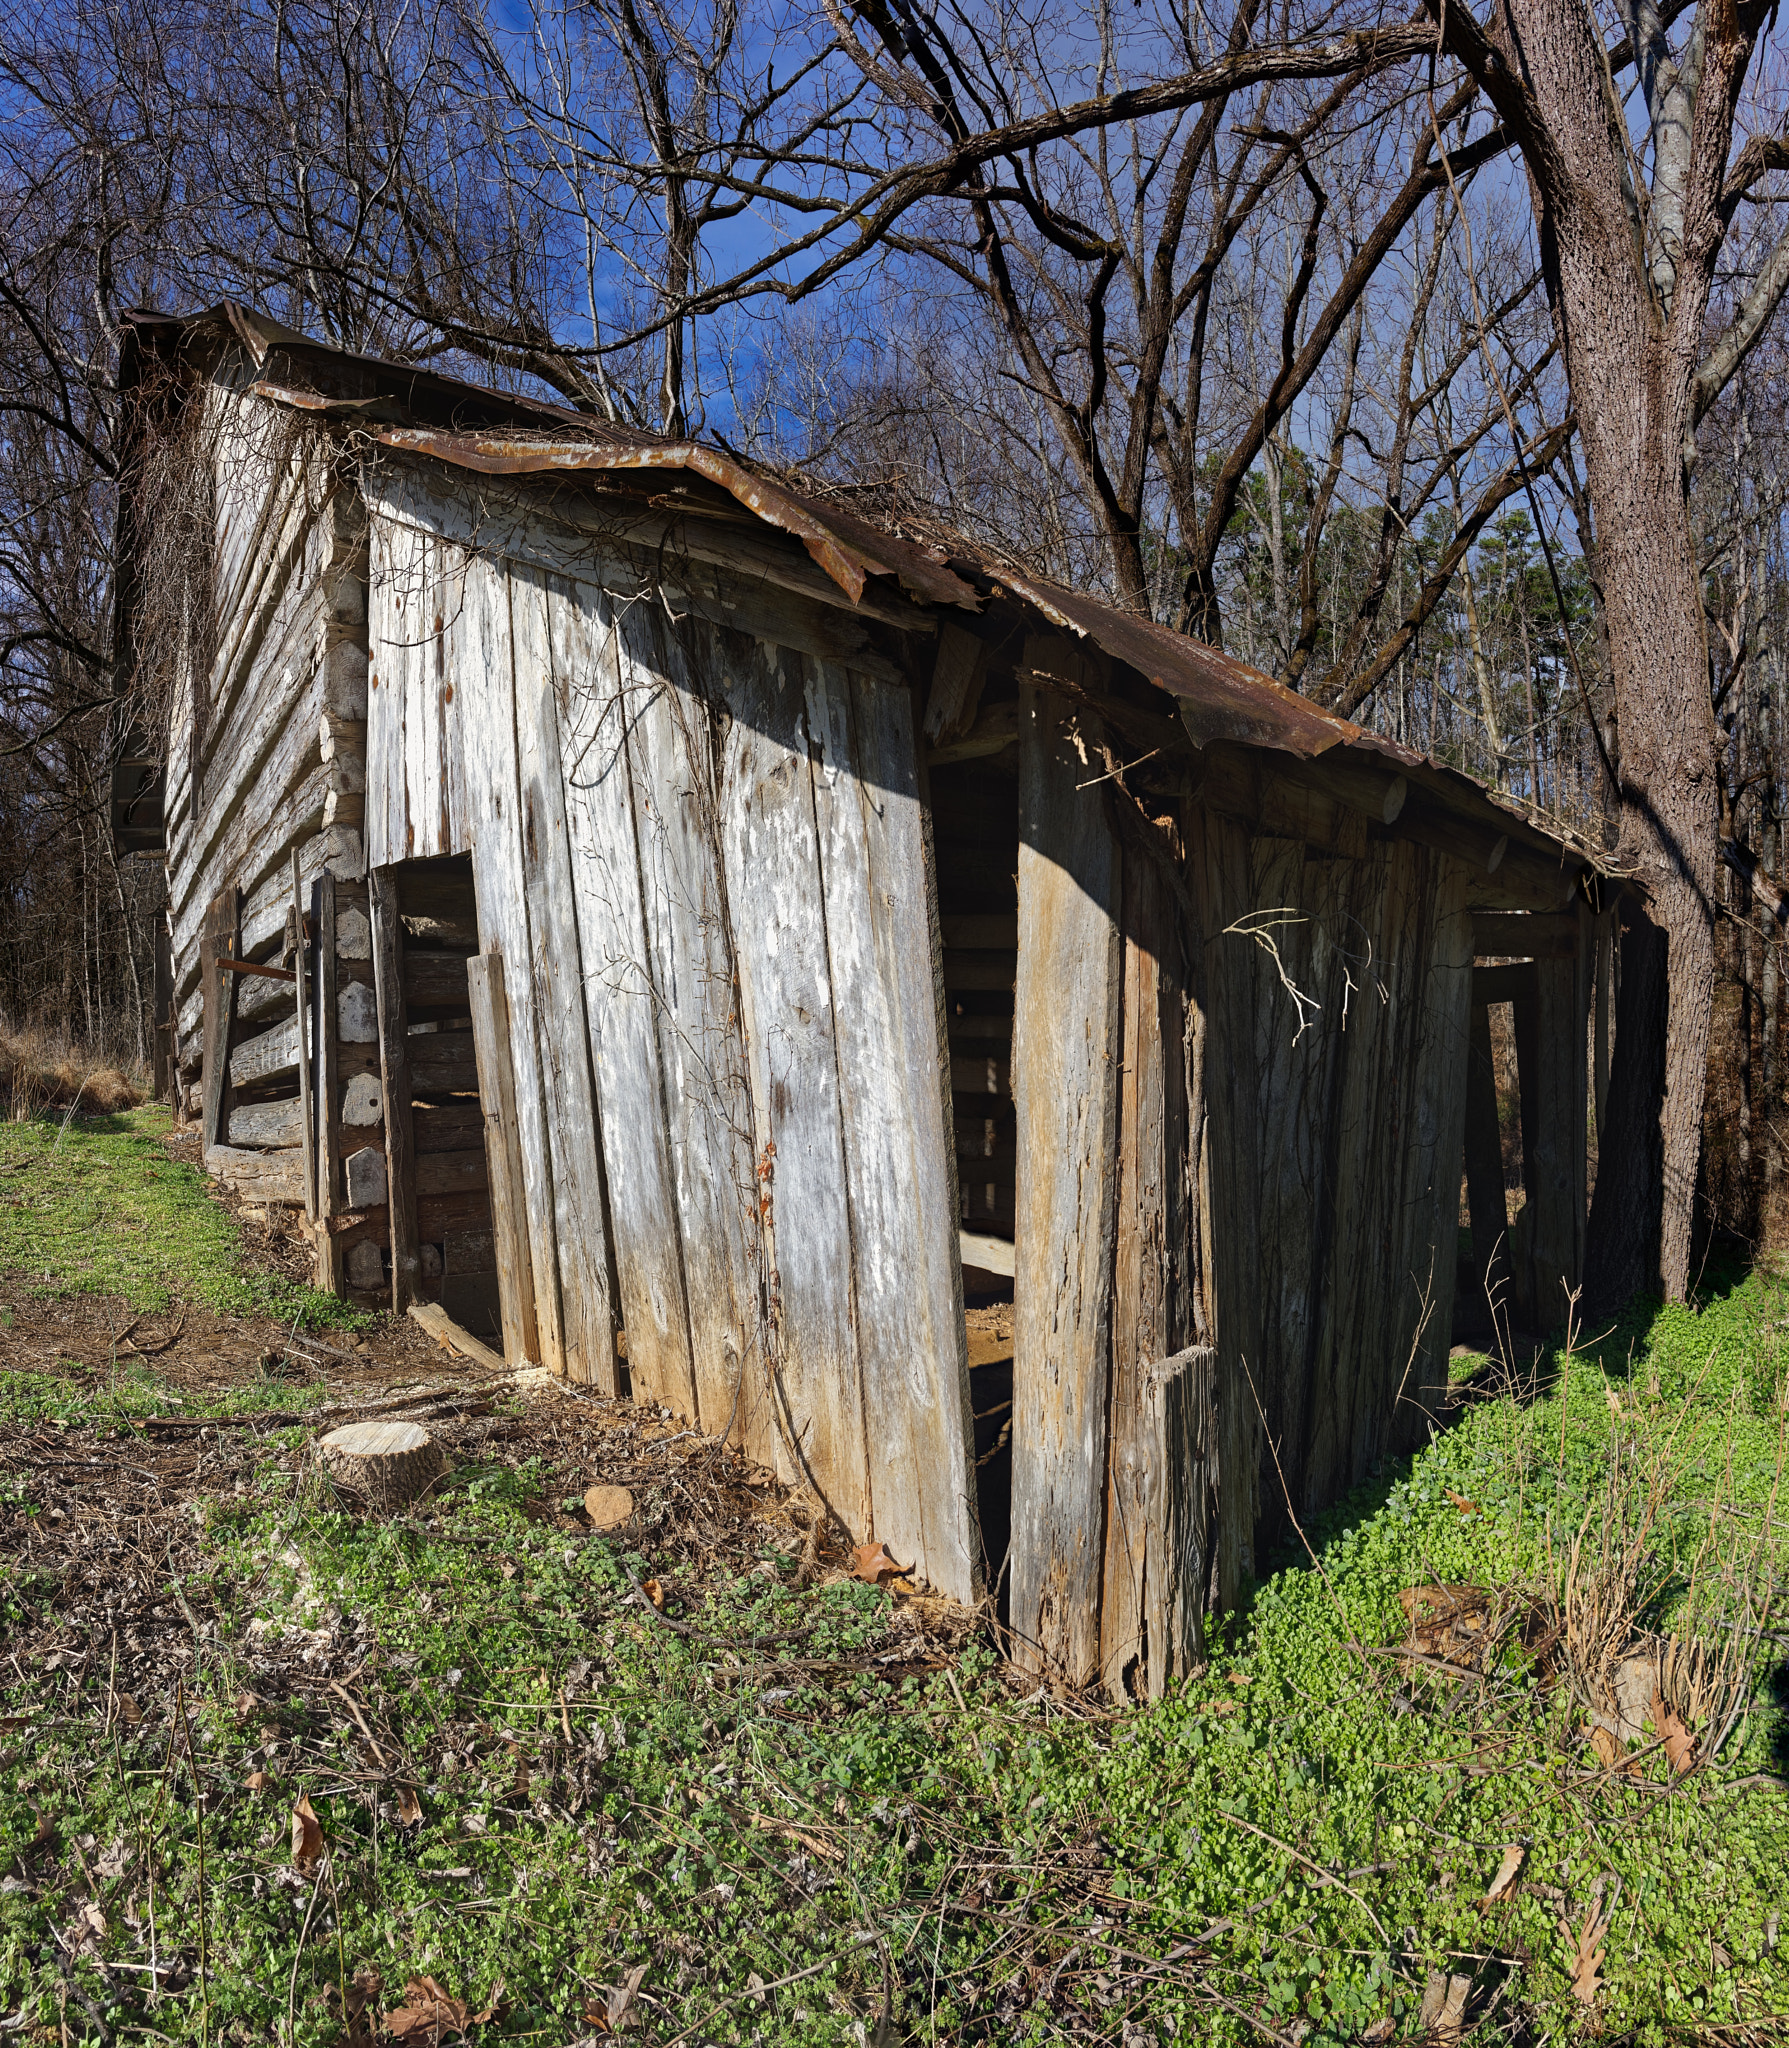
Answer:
(975, 824)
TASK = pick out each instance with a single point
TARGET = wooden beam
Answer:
(1067, 1056)
(1485, 1199)
(1157, 1536)
(1557, 1179)
(301, 1034)
(327, 1092)
(503, 1156)
(215, 946)
(1512, 984)
(161, 1010)
(390, 981)
(1519, 935)
(447, 1333)
(1603, 1035)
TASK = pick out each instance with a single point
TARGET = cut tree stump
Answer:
(385, 1463)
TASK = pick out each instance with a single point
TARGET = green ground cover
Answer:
(96, 1206)
(538, 1789)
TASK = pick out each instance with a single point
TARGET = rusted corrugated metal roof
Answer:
(493, 433)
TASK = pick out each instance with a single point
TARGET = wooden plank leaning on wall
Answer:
(888, 1035)
(394, 1079)
(1066, 1055)
(327, 1092)
(218, 943)
(503, 1156)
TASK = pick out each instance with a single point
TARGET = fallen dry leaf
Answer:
(257, 1781)
(307, 1834)
(1381, 2030)
(1680, 1744)
(655, 1593)
(1585, 1962)
(1239, 1678)
(1443, 2012)
(409, 1806)
(1465, 1506)
(872, 1563)
(1608, 1750)
(608, 1506)
(128, 1709)
(1503, 1885)
(621, 1998)
(363, 1991)
(245, 1704)
(428, 2014)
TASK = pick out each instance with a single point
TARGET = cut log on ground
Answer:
(386, 1463)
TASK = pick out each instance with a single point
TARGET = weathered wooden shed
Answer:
(701, 931)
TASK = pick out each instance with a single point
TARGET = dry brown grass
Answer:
(42, 1071)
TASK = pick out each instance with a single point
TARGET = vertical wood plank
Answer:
(219, 942)
(620, 997)
(1561, 1013)
(327, 1093)
(1066, 1050)
(492, 1027)
(302, 998)
(772, 860)
(1485, 1195)
(486, 696)
(394, 1078)
(669, 686)
(1605, 1015)
(580, 1199)
(161, 1009)
(1148, 1603)
(1178, 1396)
(907, 1270)
(1233, 1204)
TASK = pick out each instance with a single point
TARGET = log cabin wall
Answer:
(701, 854)
(266, 747)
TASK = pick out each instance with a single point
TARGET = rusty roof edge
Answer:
(1221, 698)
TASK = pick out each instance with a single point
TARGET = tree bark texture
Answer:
(1632, 348)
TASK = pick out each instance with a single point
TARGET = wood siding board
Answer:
(493, 1028)
(620, 999)
(668, 692)
(1157, 1544)
(580, 1198)
(907, 1270)
(486, 694)
(772, 854)
(389, 980)
(1066, 1056)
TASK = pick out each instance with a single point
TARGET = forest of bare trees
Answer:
(1426, 360)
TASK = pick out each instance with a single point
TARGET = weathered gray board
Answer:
(1338, 993)
(493, 1029)
(742, 1106)
(1066, 1051)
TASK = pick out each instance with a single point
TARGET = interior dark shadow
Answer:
(975, 824)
